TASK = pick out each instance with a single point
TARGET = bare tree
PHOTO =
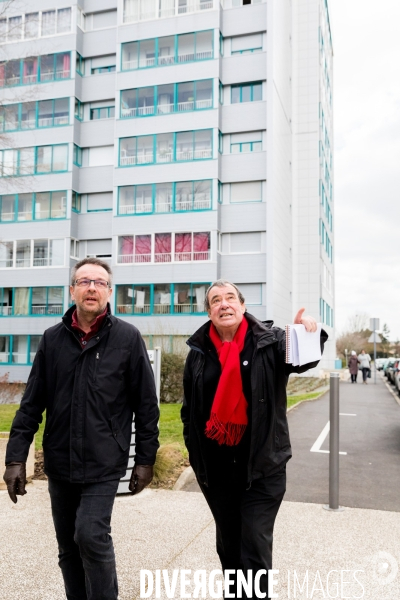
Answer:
(358, 322)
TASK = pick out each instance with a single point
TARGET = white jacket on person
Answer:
(365, 361)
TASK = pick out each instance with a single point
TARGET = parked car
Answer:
(389, 363)
(397, 381)
(393, 370)
(379, 363)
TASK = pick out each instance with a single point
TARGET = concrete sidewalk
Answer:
(162, 529)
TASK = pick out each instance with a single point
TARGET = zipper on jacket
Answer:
(96, 362)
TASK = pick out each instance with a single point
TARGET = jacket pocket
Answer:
(118, 435)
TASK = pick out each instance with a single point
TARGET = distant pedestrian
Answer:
(365, 364)
(353, 366)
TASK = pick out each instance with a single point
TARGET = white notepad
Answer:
(302, 346)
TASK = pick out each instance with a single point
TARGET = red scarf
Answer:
(228, 418)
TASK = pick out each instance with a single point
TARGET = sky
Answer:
(366, 44)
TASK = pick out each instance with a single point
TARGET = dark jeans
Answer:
(365, 373)
(82, 516)
(244, 520)
(354, 378)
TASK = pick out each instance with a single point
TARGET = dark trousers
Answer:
(244, 520)
(365, 373)
(354, 378)
(82, 516)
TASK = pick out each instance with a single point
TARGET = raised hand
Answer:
(309, 322)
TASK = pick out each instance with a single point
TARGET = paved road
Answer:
(369, 472)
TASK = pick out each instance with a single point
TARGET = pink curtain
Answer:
(201, 242)
(162, 243)
(127, 246)
(143, 244)
(183, 242)
(66, 64)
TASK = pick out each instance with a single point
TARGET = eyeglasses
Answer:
(99, 283)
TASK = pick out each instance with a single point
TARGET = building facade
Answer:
(181, 141)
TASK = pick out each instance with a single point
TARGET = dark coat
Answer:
(89, 396)
(270, 443)
(353, 365)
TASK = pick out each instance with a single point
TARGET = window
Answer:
(63, 20)
(32, 25)
(18, 349)
(164, 298)
(246, 142)
(80, 65)
(52, 159)
(165, 197)
(23, 301)
(166, 147)
(164, 247)
(246, 92)
(236, 3)
(28, 112)
(26, 70)
(6, 254)
(104, 112)
(76, 202)
(19, 254)
(23, 253)
(14, 29)
(52, 113)
(134, 299)
(167, 99)
(5, 348)
(74, 248)
(99, 70)
(51, 205)
(28, 161)
(48, 22)
(78, 110)
(249, 191)
(77, 157)
(245, 44)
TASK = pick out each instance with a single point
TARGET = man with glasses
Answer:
(91, 373)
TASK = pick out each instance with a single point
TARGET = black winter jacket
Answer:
(89, 396)
(270, 443)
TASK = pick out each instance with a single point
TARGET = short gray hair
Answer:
(222, 283)
(91, 261)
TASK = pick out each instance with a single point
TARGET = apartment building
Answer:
(181, 141)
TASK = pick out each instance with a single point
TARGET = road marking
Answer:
(320, 439)
(316, 447)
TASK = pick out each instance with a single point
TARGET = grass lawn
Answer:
(292, 400)
(170, 420)
(170, 423)
(7, 413)
(171, 428)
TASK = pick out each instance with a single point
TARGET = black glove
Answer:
(140, 478)
(15, 478)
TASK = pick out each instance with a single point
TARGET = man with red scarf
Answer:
(235, 425)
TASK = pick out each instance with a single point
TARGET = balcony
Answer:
(147, 10)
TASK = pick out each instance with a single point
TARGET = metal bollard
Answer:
(334, 443)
